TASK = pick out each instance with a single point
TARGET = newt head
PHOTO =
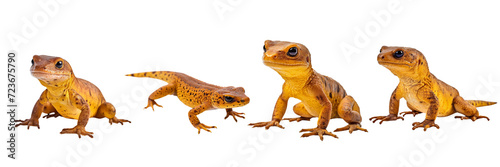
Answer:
(51, 71)
(286, 57)
(229, 97)
(403, 61)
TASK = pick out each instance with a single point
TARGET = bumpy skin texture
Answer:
(67, 96)
(423, 92)
(198, 95)
(320, 96)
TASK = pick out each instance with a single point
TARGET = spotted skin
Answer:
(320, 96)
(423, 92)
(67, 96)
(198, 95)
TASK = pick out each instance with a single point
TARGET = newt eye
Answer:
(32, 62)
(265, 48)
(398, 54)
(228, 99)
(292, 52)
(59, 64)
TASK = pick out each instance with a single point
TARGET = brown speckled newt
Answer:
(67, 96)
(197, 94)
(423, 92)
(320, 95)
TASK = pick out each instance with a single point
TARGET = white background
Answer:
(103, 41)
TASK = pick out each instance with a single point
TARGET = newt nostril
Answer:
(382, 57)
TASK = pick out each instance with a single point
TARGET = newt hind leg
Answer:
(348, 110)
(413, 111)
(467, 109)
(159, 93)
(300, 110)
(50, 111)
(108, 110)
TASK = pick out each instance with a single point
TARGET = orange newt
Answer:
(67, 96)
(423, 92)
(320, 95)
(197, 94)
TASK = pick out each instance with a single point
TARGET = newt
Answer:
(198, 95)
(320, 96)
(423, 92)
(67, 96)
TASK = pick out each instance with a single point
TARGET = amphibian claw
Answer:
(317, 131)
(351, 128)
(297, 119)
(78, 130)
(473, 118)
(390, 117)
(234, 114)
(267, 125)
(425, 124)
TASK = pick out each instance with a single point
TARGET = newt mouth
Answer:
(44, 75)
(47, 73)
(384, 63)
(272, 63)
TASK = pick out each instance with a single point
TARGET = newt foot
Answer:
(116, 120)
(152, 103)
(79, 130)
(390, 117)
(414, 113)
(298, 119)
(351, 128)
(204, 127)
(28, 122)
(234, 114)
(425, 124)
(267, 125)
(54, 115)
(317, 131)
(473, 118)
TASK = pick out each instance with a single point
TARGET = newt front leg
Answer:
(230, 112)
(41, 106)
(431, 112)
(194, 119)
(393, 108)
(278, 113)
(35, 115)
(83, 118)
(324, 117)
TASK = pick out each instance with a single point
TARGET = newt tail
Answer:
(480, 103)
(163, 75)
